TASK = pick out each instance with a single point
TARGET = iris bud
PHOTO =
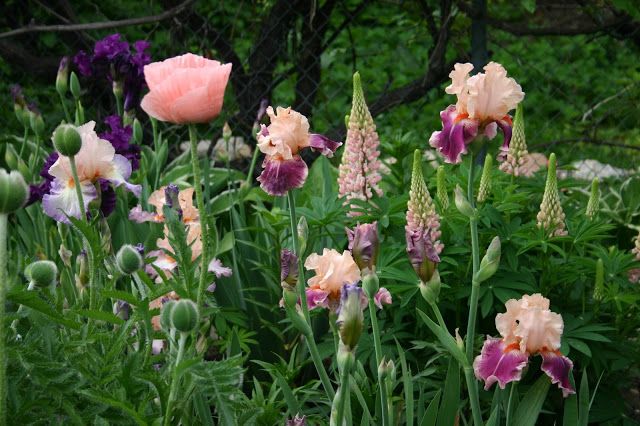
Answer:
(74, 85)
(462, 203)
(490, 261)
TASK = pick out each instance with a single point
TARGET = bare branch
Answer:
(99, 25)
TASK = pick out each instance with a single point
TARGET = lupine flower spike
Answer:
(516, 156)
(441, 194)
(359, 174)
(484, 101)
(423, 225)
(485, 179)
(527, 328)
(551, 216)
(281, 142)
(594, 200)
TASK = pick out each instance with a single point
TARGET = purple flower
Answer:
(120, 137)
(289, 267)
(497, 363)
(382, 297)
(219, 269)
(83, 62)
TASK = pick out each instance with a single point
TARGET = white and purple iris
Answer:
(527, 328)
(484, 101)
(97, 164)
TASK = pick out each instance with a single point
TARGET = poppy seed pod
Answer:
(67, 140)
(129, 259)
(13, 191)
(42, 273)
(184, 316)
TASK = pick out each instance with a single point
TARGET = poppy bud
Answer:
(67, 140)
(13, 191)
(165, 315)
(129, 259)
(184, 316)
(42, 273)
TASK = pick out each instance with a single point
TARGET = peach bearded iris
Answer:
(484, 101)
(281, 142)
(332, 271)
(185, 89)
(527, 328)
(96, 161)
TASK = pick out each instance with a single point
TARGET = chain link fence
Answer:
(303, 54)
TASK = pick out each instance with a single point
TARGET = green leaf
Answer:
(292, 403)
(407, 380)
(107, 399)
(451, 396)
(121, 295)
(431, 415)
(531, 403)
(446, 339)
(32, 300)
(100, 316)
(583, 400)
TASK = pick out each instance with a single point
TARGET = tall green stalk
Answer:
(311, 343)
(197, 177)
(174, 379)
(3, 292)
(378, 348)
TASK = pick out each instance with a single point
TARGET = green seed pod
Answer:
(490, 261)
(129, 259)
(67, 140)
(14, 191)
(165, 315)
(184, 316)
(42, 273)
(74, 85)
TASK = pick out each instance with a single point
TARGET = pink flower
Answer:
(281, 142)
(527, 328)
(219, 269)
(332, 271)
(382, 297)
(484, 101)
(97, 160)
(185, 89)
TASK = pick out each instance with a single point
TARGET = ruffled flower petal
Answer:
(499, 363)
(457, 131)
(138, 215)
(382, 297)
(317, 298)
(558, 367)
(219, 269)
(326, 146)
(280, 176)
(62, 201)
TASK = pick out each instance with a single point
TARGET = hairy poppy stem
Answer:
(3, 292)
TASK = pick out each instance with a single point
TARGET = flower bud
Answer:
(364, 245)
(67, 140)
(594, 200)
(350, 317)
(387, 369)
(289, 297)
(62, 78)
(430, 290)
(303, 234)
(462, 204)
(288, 268)
(117, 88)
(346, 120)
(137, 132)
(121, 309)
(345, 358)
(485, 179)
(226, 132)
(441, 189)
(14, 191)
(165, 315)
(35, 121)
(42, 273)
(74, 85)
(11, 156)
(184, 316)
(24, 170)
(371, 284)
(82, 278)
(490, 261)
(129, 259)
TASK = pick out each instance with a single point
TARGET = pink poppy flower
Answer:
(484, 101)
(185, 89)
(96, 161)
(281, 142)
(527, 328)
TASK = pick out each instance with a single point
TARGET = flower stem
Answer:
(197, 176)
(76, 184)
(343, 395)
(174, 379)
(311, 343)
(3, 292)
(475, 252)
(24, 141)
(472, 387)
(254, 159)
(67, 116)
(375, 329)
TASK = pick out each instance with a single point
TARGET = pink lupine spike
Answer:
(359, 176)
